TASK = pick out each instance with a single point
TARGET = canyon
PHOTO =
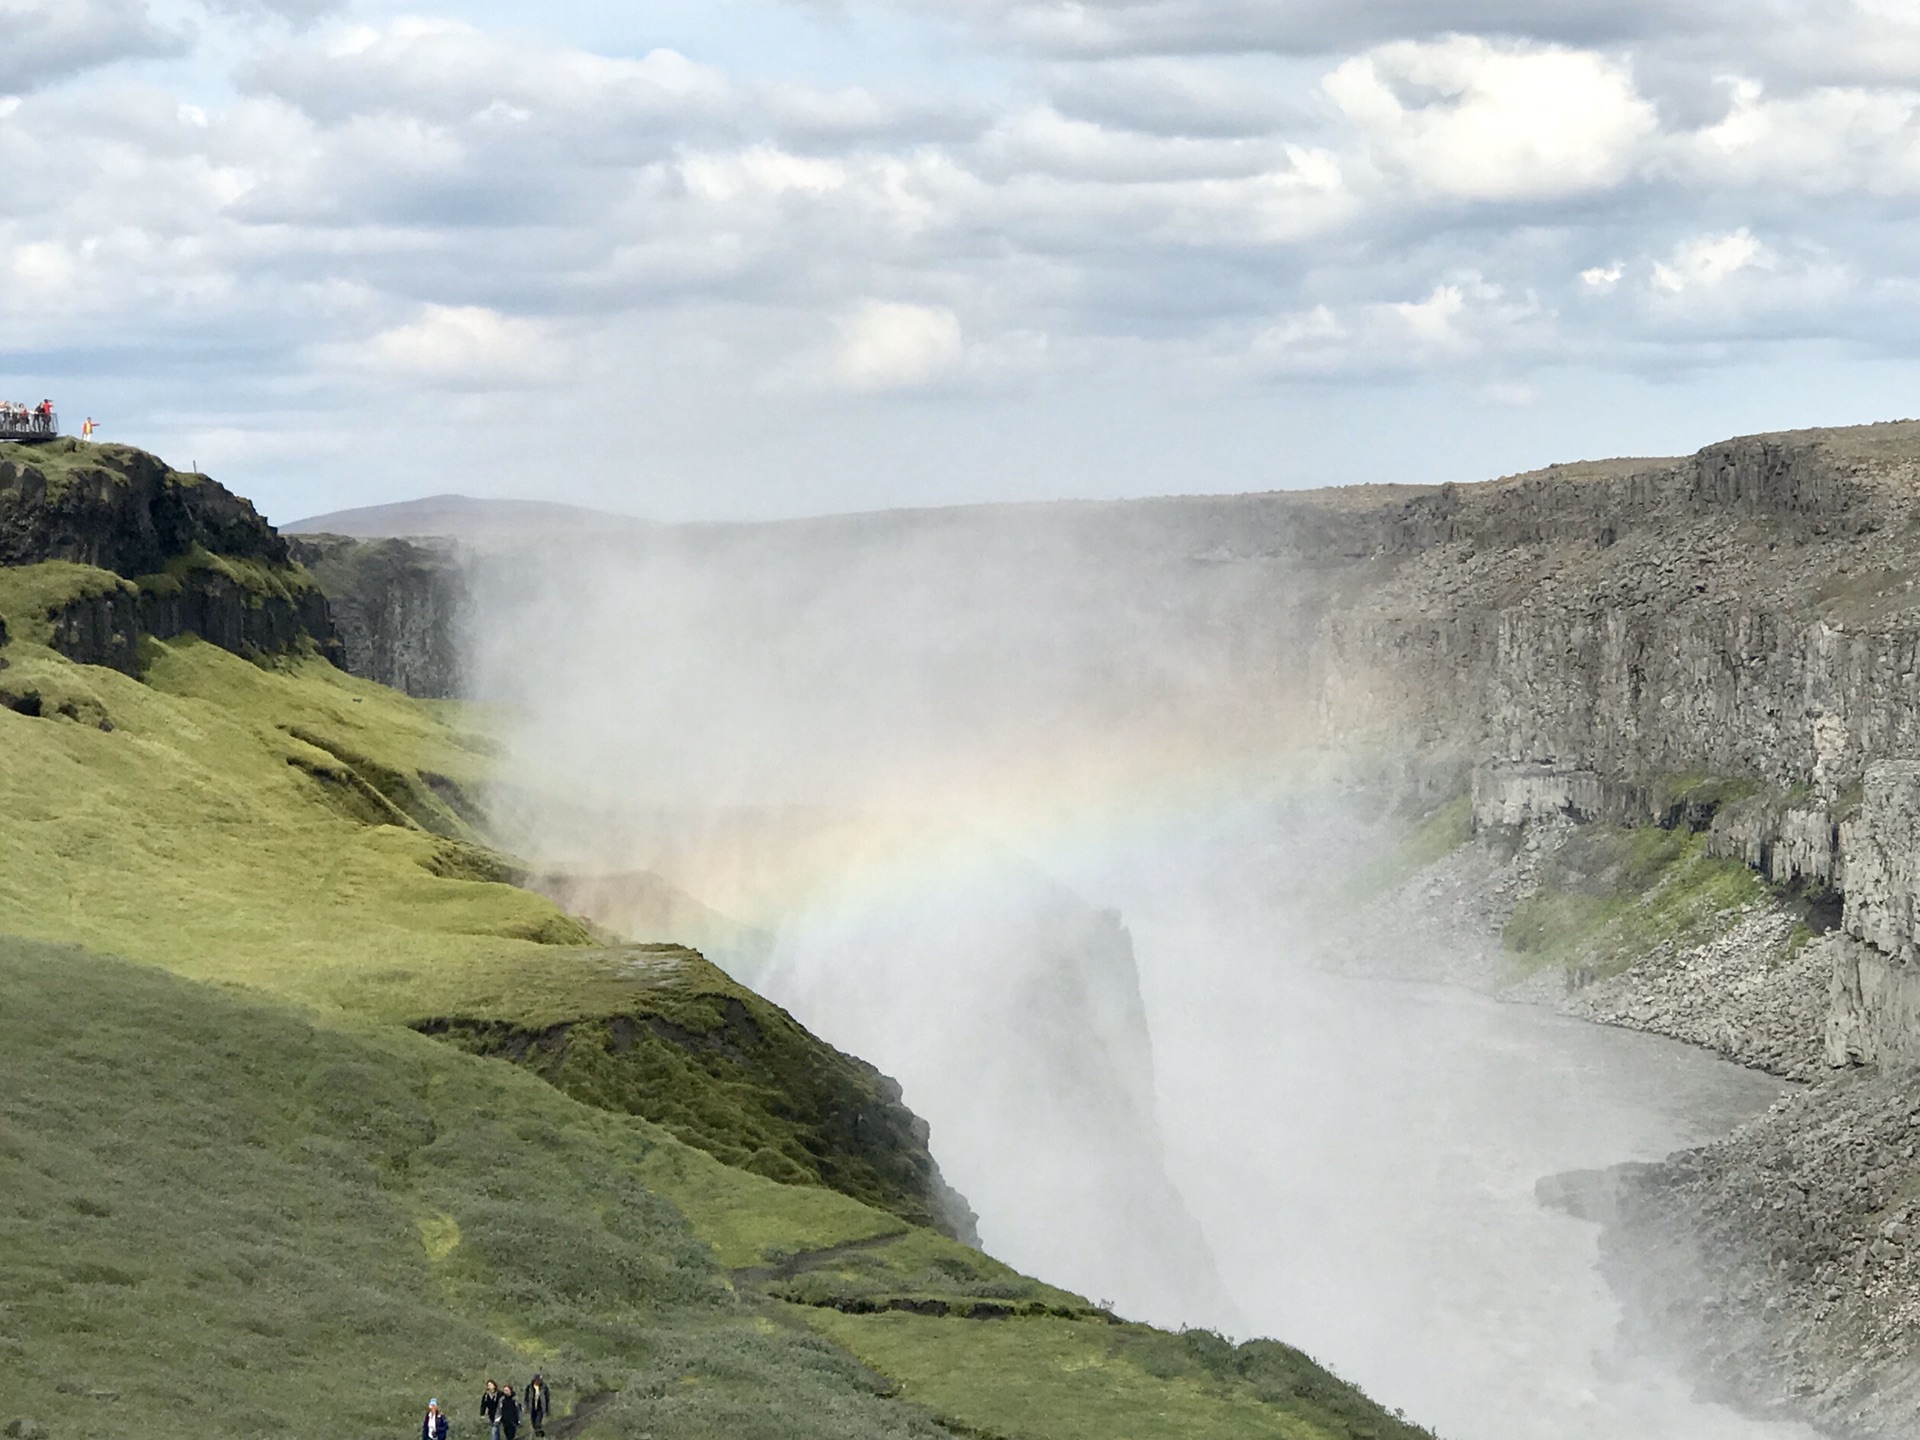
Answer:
(1683, 688)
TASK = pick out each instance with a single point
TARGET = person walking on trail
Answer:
(538, 1404)
(509, 1413)
(490, 1399)
(434, 1427)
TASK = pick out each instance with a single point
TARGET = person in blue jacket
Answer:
(434, 1427)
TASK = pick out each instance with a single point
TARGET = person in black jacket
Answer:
(539, 1402)
(434, 1427)
(509, 1413)
(490, 1408)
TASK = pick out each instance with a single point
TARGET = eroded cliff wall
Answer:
(397, 607)
(115, 545)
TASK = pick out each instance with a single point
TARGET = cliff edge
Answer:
(103, 545)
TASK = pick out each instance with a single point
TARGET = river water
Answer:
(1369, 1195)
(1362, 1154)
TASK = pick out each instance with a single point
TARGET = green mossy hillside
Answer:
(198, 830)
(246, 1198)
(196, 558)
(724, 1070)
(1610, 896)
(219, 1218)
(1103, 1382)
(31, 595)
(121, 509)
(257, 580)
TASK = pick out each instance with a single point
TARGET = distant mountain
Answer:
(460, 517)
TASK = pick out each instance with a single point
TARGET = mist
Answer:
(1026, 806)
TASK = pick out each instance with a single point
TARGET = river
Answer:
(1362, 1155)
(1371, 1199)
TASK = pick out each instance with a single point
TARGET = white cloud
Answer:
(449, 72)
(759, 170)
(1824, 141)
(1460, 320)
(466, 347)
(1233, 188)
(1706, 262)
(887, 345)
(1485, 121)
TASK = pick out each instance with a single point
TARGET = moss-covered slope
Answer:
(219, 1218)
(724, 1070)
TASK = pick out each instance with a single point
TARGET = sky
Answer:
(753, 258)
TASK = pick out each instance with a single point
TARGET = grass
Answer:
(288, 827)
(1117, 1382)
(254, 578)
(723, 1069)
(1610, 896)
(202, 834)
(69, 458)
(217, 1218)
(920, 1270)
(29, 592)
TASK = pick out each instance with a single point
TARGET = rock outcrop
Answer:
(117, 508)
(731, 1074)
(397, 607)
(149, 551)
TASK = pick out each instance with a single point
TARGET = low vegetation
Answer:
(721, 1068)
(30, 593)
(1609, 896)
(220, 1219)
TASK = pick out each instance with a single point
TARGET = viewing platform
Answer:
(28, 423)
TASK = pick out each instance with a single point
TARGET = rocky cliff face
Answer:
(164, 554)
(119, 509)
(396, 606)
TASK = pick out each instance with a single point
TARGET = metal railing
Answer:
(27, 422)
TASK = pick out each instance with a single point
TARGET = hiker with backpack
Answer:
(539, 1402)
